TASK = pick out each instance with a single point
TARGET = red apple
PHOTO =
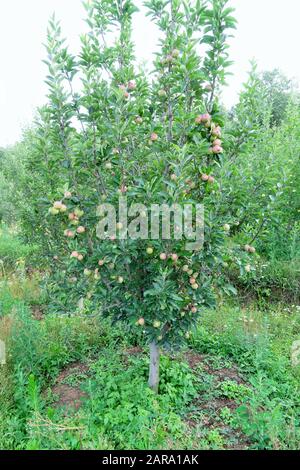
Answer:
(131, 85)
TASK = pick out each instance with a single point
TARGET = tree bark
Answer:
(154, 367)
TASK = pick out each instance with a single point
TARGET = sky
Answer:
(268, 31)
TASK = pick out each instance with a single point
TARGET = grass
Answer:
(235, 388)
(77, 383)
(13, 251)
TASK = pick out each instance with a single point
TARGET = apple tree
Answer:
(152, 135)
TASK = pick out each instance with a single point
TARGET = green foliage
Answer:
(12, 249)
(12, 182)
(233, 391)
(279, 91)
(273, 280)
(261, 175)
(130, 414)
(260, 343)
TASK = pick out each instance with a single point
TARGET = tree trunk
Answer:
(154, 367)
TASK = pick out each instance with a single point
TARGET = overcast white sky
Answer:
(268, 30)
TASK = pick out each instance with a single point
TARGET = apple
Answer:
(187, 335)
(206, 118)
(57, 205)
(247, 248)
(204, 177)
(192, 280)
(156, 324)
(115, 151)
(217, 149)
(195, 275)
(149, 250)
(252, 249)
(162, 93)
(78, 212)
(53, 211)
(190, 272)
(185, 268)
(173, 177)
(198, 119)
(163, 256)
(67, 195)
(80, 229)
(63, 208)
(120, 280)
(194, 310)
(211, 179)
(101, 262)
(207, 87)
(108, 166)
(226, 227)
(69, 233)
(195, 286)
(174, 256)
(216, 131)
(217, 142)
(131, 85)
(159, 338)
(141, 322)
(74, 254)
(87, 272)
(248, 268)
(80, 257)
(153, 137)
(72, 216)
(139, 120)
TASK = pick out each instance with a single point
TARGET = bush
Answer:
(12, 249)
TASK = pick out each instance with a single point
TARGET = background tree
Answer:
(279, 91)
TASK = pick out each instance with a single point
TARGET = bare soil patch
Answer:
(70, 396)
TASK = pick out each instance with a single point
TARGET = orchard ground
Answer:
(74, 382)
